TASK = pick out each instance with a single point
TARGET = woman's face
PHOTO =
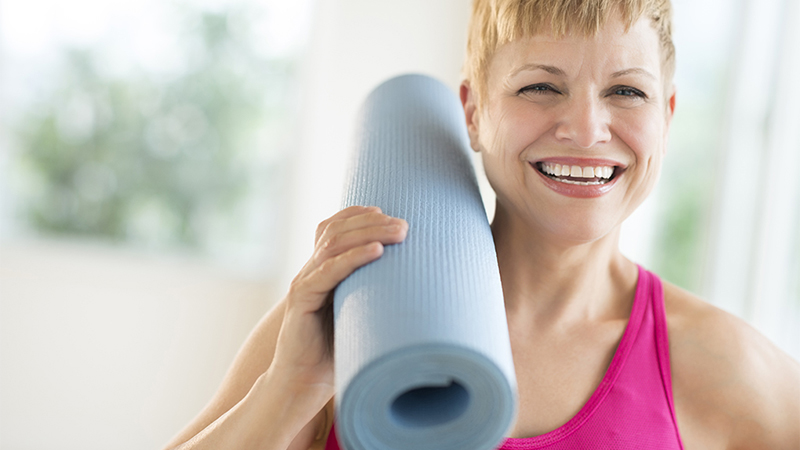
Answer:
(572, 131)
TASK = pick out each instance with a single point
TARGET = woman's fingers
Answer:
(344, 214)
(358, 221)
(359, 226)
(390, 231)
(334, 270)
(348, 240)
(309, 291)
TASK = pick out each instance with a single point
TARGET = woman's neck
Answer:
(550, 281)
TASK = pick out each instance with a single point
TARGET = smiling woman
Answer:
(577, 97)
(543, 92)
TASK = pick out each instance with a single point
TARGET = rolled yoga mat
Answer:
(422, 352)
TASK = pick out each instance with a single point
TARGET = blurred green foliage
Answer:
(687, 191)
(150, 157)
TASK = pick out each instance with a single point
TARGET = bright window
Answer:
(153, 124)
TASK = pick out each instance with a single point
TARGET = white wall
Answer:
(103, 348)
(356, 45)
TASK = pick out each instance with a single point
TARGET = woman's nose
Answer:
(584, 122)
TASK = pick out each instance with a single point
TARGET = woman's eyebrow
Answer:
(634, 70)
(549, 69)
(558, 72)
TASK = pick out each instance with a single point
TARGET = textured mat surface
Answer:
(422, 353)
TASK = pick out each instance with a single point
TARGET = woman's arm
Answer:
(274, 394)
(733, 388)
(216, 425)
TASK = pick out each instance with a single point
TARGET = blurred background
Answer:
(163, 166)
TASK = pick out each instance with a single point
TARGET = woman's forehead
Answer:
(611, 51)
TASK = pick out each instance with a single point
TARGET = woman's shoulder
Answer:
(690, 319)
(698, 330)
(732, 386)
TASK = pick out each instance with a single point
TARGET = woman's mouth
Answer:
(577, 175)
(578, 178)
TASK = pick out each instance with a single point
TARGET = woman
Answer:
(569, 103)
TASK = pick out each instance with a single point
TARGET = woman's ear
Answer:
(671, 104)
(469, 102)
(670, 112)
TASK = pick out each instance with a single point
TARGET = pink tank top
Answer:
(632, 407)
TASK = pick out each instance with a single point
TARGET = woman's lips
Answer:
(582, 161)
(579, 178)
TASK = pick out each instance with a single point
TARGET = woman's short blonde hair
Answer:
(496, 22)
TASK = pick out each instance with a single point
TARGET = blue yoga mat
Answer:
(422, 353)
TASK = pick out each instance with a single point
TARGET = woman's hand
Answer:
(346, 241)
(282, 378)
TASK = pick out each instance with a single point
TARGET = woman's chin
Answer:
(577, 233)
(562, 229)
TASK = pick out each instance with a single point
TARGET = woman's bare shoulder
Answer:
(733, 388)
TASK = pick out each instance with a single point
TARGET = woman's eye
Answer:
(538, 89)
(624, 91)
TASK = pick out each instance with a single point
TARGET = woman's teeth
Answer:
(584, 176)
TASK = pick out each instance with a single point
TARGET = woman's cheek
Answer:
(641, 133)
(521, 126)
